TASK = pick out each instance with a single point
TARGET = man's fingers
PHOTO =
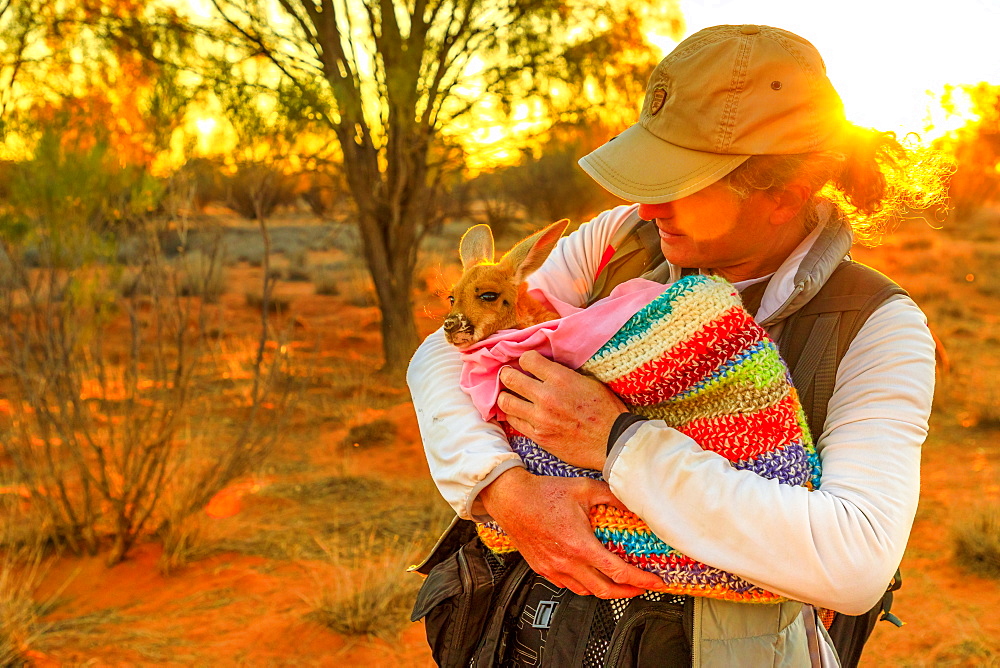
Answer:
(521, 383)
(600, 494)
(596, 583)
(540, 366)
(585, 580)
(522, 426)
(606, 575)
(626, 575)
(515, 407)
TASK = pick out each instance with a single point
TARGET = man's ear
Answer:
(788, 203)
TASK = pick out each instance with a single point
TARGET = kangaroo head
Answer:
(490, 295)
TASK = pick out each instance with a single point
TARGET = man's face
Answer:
(713, 229)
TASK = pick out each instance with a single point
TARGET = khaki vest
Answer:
(813, 339)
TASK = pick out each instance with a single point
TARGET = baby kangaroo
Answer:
(491, 296)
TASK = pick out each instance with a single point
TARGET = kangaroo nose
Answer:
(451, 323)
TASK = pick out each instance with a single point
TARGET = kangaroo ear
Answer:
(528, 255)
(476, 246)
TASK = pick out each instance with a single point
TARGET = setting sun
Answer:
(888, 61)
(206, 126)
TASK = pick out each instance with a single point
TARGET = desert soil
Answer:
(249, 603)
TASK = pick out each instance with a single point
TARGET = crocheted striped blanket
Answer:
(694, 358)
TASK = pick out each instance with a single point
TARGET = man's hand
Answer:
(547, 518)
(565, 412)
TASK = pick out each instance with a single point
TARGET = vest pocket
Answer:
(454, 604)
(650, 633)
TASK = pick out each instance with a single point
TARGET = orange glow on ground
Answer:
(228, 502)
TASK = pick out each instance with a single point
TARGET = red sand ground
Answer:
(232, 609)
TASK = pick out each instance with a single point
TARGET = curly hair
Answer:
(875, 181)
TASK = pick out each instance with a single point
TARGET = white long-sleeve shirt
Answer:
(835, 547)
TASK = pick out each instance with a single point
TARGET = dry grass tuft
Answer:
(977, 542)
(202, 274)
(275, 303)
(183, 542)
(358, 490)
(381, 513)
(374, 597)
(298, 265)
(374, 433)
(20, 625)
(325, 282)
(969, 652)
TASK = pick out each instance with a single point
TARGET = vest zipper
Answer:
(771, 319)
(615, 651)
(495, 626)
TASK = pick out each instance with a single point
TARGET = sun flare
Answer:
(206, 126)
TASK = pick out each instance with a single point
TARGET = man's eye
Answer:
(451, 299)
(489, 296)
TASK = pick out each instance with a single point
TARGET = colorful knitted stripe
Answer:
(696, 359)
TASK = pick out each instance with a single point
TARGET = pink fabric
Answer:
(571, 339)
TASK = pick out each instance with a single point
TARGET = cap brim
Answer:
(640, 167)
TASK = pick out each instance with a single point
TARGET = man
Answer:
(739, 130)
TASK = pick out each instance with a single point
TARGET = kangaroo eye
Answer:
(451, 299)
(489, 296)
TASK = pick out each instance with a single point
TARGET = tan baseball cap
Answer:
(724, 94)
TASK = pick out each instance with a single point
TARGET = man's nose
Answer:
(654, 211)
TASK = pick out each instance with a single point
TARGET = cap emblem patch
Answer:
(656, 103)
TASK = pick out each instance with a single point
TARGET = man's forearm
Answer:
(463, 451)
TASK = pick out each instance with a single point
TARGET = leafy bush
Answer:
(546, 184)
(105, 388)
(68, 203)
(321, 191)
(255, 189)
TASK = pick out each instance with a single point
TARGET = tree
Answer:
(391, 77)
(975, 146)
(130, 45)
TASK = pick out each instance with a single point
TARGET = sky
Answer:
(883, 56)
(889, 59)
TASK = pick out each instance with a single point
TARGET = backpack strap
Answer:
(814, 339)
(813, 343)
